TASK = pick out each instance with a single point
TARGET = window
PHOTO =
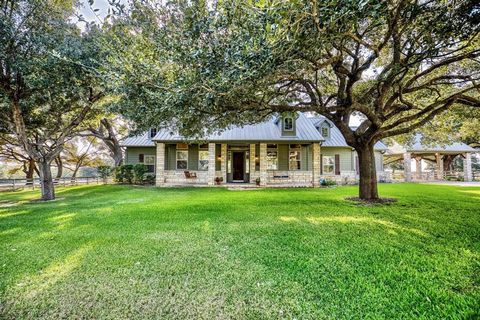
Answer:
(153, 132)
(328, 163)
(182, 156)
(150, 162)
(272, 157)
(288, 124)
(203, 160)
(325, 132)
(140, 158)
(294, 157)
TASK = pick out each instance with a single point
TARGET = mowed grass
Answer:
(119, 252)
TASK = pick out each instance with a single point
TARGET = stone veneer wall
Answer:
(275, 177)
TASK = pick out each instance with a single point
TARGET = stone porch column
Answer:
(418, 167)
(263, 164)
(316, 164)
(407, 164)
(211, 164)
(223, 161)
(252, 162)
(467, 167)
(439, 170)
(160, 168)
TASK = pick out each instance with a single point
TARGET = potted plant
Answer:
(218, 180)
(257, 181)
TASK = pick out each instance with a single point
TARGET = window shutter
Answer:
(337, 164)
(140, 158)
(321, 164)
(357, 166)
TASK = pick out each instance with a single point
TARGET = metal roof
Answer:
(336, 138)
(418, 147)
(142, 140)
(266, 131)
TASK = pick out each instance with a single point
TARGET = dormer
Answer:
(288, 124)
(325, 130)
(152, 133)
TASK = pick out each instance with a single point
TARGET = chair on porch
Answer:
(190, 175)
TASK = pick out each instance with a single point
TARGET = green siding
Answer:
(170, 157)
(131, 153)
(193, 157)
(283, 157)
(304, 158)
(346, 159)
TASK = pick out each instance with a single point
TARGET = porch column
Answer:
(418, 167)
(467, 167)
(252, 162)
(407, 164)
(263, 164)
(160, 165)
(439, 170)
(223, 161)
(316, 164)
(211, 164)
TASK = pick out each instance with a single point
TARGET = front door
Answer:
(238, 166)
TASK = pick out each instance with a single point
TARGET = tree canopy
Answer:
(396, 64)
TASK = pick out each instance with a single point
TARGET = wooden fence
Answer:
(8, 184)
(432, 176)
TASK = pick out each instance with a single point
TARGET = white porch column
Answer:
(211, 164)
(252, 163)
(316, 164)
(439, 170)
(407, 164)
(418, 168)
(467, 167)
(223, 161)
(263, 164)
(160, 165)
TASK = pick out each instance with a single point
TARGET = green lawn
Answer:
(131, 252)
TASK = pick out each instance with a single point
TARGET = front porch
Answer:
(269, 164)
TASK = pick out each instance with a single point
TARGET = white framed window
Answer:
(288, 124)
(203, 160)
(325, 131)
(294, 157)
(328, 164)
(182, 159)
(272, 157)
(149, 161)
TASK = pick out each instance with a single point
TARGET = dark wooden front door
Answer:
(238, 165)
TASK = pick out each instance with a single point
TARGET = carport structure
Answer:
(441, 156)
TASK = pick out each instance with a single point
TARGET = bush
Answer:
(127, 173)
(327, 182)
(149, 178)
(104, 172)
(139, 171)
(119, 176)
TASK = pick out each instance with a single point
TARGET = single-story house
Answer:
(289, 151)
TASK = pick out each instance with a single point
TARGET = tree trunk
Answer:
(30, 171)
(117, 155)
(75, 171)
(368, 173)
(46, 181)
(59, 162)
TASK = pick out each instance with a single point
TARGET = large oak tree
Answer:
(396, 64)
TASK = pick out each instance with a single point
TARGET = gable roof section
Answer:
(265, 131)
(336, 138)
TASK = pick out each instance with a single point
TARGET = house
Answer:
(441, 156)
(289, 151)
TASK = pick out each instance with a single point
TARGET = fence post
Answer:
(13, 183)
(33, 183)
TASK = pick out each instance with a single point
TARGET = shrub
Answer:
(149, 178)
(139, 171)
(327, 182)
(104, 172)
(127, 173)
(119, 175)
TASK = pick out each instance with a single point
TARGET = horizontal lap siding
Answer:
(132, 153)
(170, 157)
(346, 162)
